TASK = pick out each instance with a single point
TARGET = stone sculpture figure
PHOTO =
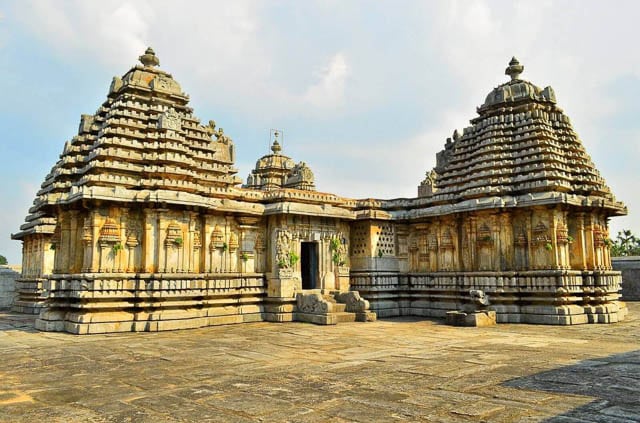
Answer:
(474, 313)
(170, 120)
(479, 299)
(211, 127)
(283, 246)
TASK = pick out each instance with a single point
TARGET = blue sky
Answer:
(365, 92)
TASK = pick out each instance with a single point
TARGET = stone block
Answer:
(477, 319)
(367, 316)
(279, 317)
(318, 319)
(283, 287)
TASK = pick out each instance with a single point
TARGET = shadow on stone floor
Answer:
(439, 321)
(16, 321)
(614, 380)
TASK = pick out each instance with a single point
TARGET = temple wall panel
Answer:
(146, 303)
(332, 237)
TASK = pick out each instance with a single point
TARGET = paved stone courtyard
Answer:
(394, 369)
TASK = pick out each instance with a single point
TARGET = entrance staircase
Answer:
(332, 307)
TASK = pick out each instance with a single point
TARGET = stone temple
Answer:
(143, 225)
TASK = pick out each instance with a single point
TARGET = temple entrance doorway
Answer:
(309, 265)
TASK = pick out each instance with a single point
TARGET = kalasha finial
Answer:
(275, 147)
(514, 69)
(149, 58)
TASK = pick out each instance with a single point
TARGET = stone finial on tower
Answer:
(275, 147)
(149, 58)
(514, 69)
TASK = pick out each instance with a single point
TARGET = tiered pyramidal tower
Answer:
(520, 143)
(142, 153)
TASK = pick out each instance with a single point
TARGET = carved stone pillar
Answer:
(73, 238)
(161, 233)
(531, 242)
(87, 244)
(248, 230)
(589, 252)
(149, 242)
(63, 247)
(193, 254)
(553, 233)
(230, 257)
(96, 222)
(506, 246)
(260, 248)
(123, 257)
(607, 248)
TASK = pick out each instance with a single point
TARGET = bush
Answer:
(625, 244)
(3, 260)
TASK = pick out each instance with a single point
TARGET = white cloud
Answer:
(382, 168)
(475, 17)
(3, 30)
(329, 91)
(124, 30)
(13, 216)
(246, 58)
(225, 50)
(102, 32)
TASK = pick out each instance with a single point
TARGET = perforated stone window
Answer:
(386, 240)
(359, 240)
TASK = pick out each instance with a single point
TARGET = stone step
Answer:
(344, 317)
(339, 308)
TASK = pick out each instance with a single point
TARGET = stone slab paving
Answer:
(395, 369)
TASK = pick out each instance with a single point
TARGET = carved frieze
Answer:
(485, 238)
(174, 235)
(170, 119)
(217, 238)
(541, 234)
(562, 234)
(110, 232)
(447, 240)
(313, 304)
(233, 242)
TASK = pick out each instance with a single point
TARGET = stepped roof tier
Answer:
(275, 171)
(521, 144)
(143, 144)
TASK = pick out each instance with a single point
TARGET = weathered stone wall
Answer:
(8, 276)
(553, 297)
(117, 302)
(630, 268)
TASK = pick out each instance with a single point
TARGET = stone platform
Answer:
(630, 268)
(404, 369)
(8, 276)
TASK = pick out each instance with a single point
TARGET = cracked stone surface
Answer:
(404, 369)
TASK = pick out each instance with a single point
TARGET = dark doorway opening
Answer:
(309, 265)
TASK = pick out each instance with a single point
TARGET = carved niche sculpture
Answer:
(170, 119)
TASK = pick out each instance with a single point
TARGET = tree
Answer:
(3, 260)
(625, 244)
